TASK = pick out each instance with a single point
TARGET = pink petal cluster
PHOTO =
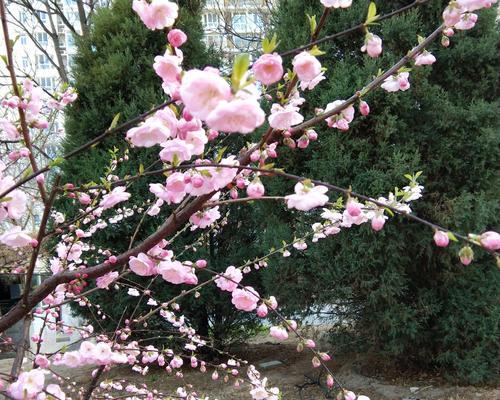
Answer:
(278, 332)
(203, 219)
(490, 240)
(9, 129)
(104, 281)
(336, 3)
(342, 119)
(176, 272)
(373, 45)
(397, 82)
(16, 237)
(14, 205)
(176, 37)
(230, 279)
(240, 115)
(245, 299)
(117, 195)
(441, 239)
(473, 5)
(268, 68)
(168, 67)
(425, 58)
(307, 197)
(158, 14)
(142, 265)
(27, 385)
(284, 118)
(306, 66)
(155, 130)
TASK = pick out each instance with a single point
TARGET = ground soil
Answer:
(377, 383)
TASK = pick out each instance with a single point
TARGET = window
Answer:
(240, 22)
(43, 61)
(25, 62)
(211, 20)
(241, 43)
(213, 40)
(23, 39)
(48, 83)
(42, 38)
(42, 16)
(23, 17)
(70, 40)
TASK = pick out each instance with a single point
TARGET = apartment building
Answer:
(233, 26)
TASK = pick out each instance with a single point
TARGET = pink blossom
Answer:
(176, 37)
(167, 67)
(230, 279)
(245, 299)
(342, 119)
(425, 58)
(102, 353)
(284, 117)
(373, 45)
(466, 255)
(55, 392)
(107, 279)
(203, 219)
(27, 385)
(364, 108)
(176, 149)
(202, 91)
(262, 311)
(336, 3)
(397, 82)
(158, 14)
(452, 14)
(149, 134)
(490, 240)
(306, 66)
(255, 189)
(307, 197)
(441, 239)
(467, 21)
(142, 265)
(197, 139)
(278, 332)
(84, 199)
(16, 237)
(173, 271)
(353, 208)
(268, 69)
(378, 222)
(42, 361)
(10, 130)
(241, 115)
(176, 362)
(116, 196)
(472, 5)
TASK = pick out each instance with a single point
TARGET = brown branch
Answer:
(24, 126)
(40, 237)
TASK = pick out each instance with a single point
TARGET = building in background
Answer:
(235, 26)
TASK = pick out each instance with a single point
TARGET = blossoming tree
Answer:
(199, 177)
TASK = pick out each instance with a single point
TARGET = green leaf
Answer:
(56, 161)
(389, 211)
(240, 68)
(175, 160)
(315, 51)
(269, 45)
(27, 173)
(372, 14)
(141, 169)
(312, 23)
(268, 166)
(408, 176)
(220, 154)
(114, 123)
(5, 199)
(451, 236)
(205, 173)
(420, 39)
(4, 58)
